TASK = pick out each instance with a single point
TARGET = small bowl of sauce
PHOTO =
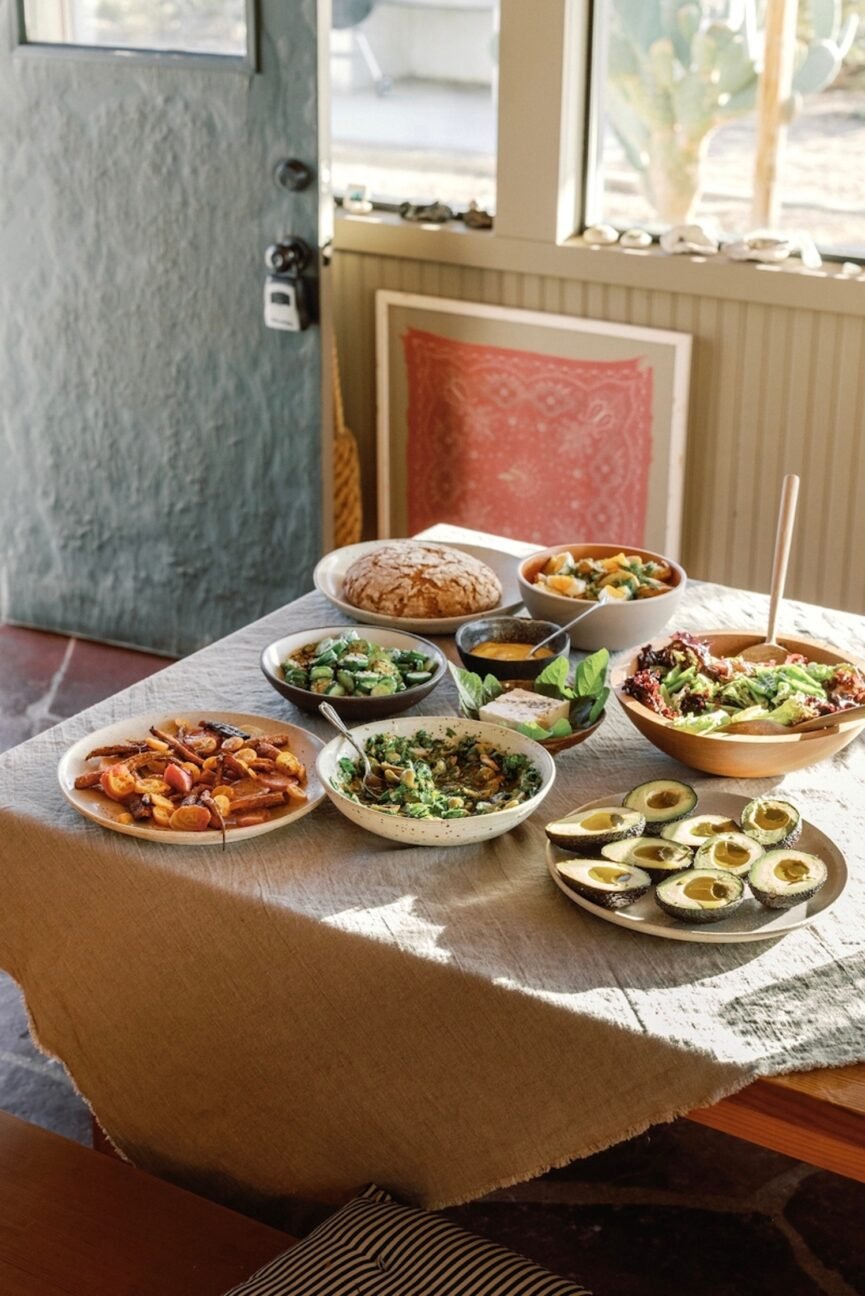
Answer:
(500, 646)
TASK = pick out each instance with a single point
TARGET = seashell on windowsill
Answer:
(693, 239)
(635, 238)
(600, 235)
(767, 248)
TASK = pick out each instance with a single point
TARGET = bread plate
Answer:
(90, 803)
(330, 572)
(751, 922)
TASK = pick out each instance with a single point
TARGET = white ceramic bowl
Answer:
(615, 625)
(436, 832)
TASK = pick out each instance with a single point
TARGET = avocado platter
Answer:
(703, 875)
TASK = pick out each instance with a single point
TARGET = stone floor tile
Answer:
(646, 1250)
(33, 1086)
(96, 671)
(829, 1213)
(29, 662)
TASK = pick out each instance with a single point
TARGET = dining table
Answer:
(317, 1007)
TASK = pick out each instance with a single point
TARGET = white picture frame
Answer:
(656, 362)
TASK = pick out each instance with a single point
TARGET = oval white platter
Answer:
(330, 572)
(750, 922)
(94, 805)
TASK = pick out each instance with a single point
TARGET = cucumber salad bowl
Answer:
(365, 673)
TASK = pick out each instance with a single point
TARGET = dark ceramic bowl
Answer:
(354, 710)
(509, 629)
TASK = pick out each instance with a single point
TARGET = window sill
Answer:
(789, 284)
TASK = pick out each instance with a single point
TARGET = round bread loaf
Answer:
(410, 578)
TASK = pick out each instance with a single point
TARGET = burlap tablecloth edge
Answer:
(665, 1117)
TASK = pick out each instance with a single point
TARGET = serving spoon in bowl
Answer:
(814, 725)
(603, 597)
(371, 782)
(768, 650)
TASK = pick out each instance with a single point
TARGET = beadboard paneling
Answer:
(774, 389)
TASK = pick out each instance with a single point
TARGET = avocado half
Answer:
(661, 802)
(700, 895)
(610, 885)
(783, 878)
(696, 829)
(587, 830)
(660, 859)
(772, 822)
(733, 852)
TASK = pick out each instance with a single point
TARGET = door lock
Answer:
(288, 258)
(287, 294)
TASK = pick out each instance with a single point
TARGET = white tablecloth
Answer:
(318, 1008)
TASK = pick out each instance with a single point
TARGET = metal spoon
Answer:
(768, 651)
(603, 597)
(331, 717)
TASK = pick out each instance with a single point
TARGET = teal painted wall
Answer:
(160, 480)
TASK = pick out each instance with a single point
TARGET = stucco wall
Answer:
(161, 469)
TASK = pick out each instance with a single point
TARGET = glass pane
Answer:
(681, 111)
(188, 26)
(414, 99)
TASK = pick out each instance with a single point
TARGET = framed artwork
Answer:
(540, 427)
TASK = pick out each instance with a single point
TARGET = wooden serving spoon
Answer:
(768, 651)
(816, 723)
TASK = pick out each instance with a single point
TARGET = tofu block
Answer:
(522, 707)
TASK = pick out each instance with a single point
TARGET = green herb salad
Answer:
(453, 777)
(352, 665)
(701, 693)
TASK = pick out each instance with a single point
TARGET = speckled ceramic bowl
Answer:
(435, 832)
(508, 629)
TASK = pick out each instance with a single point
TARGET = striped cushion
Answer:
(376, 1247)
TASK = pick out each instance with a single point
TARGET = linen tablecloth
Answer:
(317, 1008)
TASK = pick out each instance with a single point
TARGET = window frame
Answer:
(248, 62)
(547, 183)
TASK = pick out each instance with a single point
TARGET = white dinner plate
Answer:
(94, 805)
(750, 922)
(330, 573)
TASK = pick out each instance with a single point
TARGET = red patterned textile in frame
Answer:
(527, 445)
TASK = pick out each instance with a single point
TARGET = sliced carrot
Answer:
(190, 818)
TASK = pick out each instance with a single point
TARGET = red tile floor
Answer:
(681, 1210)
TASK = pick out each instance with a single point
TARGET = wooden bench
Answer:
(76, 1223)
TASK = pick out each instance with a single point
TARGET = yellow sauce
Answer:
(507, 651)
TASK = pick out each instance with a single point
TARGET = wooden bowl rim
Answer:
(620, 673)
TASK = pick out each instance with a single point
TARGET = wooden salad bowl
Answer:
(745, 755)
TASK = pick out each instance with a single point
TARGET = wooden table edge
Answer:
(814, 1116)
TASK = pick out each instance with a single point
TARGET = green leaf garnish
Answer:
(553, 680)
(492, 688)
(591, 674)
(598, 705)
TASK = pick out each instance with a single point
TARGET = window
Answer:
(190, 26)
(413, 86)
(691, 128)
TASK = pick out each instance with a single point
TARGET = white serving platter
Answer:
(750, 922)
(330, 572)
(94, 805)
